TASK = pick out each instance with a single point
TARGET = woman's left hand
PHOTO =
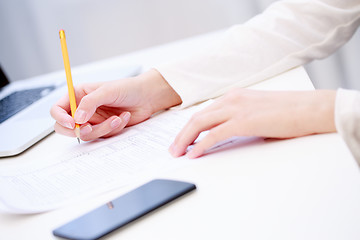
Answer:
(242, 112)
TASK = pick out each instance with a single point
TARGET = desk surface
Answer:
(304, 188)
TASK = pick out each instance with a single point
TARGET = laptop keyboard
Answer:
(17, 101)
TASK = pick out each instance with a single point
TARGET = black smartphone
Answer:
(124, 209)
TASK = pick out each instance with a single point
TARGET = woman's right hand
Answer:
(105, 108)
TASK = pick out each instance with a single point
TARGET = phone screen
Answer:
(124, 209)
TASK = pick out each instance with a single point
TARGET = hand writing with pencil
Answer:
(104, 109)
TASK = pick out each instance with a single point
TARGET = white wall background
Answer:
(29, 40)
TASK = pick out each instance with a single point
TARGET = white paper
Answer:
(140, 151)
(89, 169)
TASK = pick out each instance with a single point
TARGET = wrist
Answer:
(324, 111)
(157, 91)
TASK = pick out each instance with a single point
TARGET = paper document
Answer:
(140, 151)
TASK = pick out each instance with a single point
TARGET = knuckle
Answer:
(86, 100)
(80, 86)
(196, 119)
(212, 136)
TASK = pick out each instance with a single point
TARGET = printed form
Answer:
(139, 151)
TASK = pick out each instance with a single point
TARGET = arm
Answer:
(347, 119)
(286, 35)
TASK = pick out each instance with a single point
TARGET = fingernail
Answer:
(192, 154)
(85, 130)
(80, 116)
(116, 122)
(68, 125)
(126, 116)
(174, 150)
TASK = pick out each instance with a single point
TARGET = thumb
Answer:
(89, 103)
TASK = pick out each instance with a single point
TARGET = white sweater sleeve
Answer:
(347, 119)
(287, 34)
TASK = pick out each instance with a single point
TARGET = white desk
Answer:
(304, 188)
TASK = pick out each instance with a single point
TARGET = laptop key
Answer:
(17, 101)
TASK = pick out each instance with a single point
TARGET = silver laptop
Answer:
(25, 105)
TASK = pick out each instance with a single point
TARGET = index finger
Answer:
(60, 112)
(199, 122)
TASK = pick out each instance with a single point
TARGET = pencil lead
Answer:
(78, 140)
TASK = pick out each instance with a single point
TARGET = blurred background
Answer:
(29, 40)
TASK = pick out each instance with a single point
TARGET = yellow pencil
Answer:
(69, 80)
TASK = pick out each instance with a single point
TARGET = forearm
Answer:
(319, 107)
(288, 34)
(347, 118)
(159, 94)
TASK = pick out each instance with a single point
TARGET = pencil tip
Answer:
(77, 133)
